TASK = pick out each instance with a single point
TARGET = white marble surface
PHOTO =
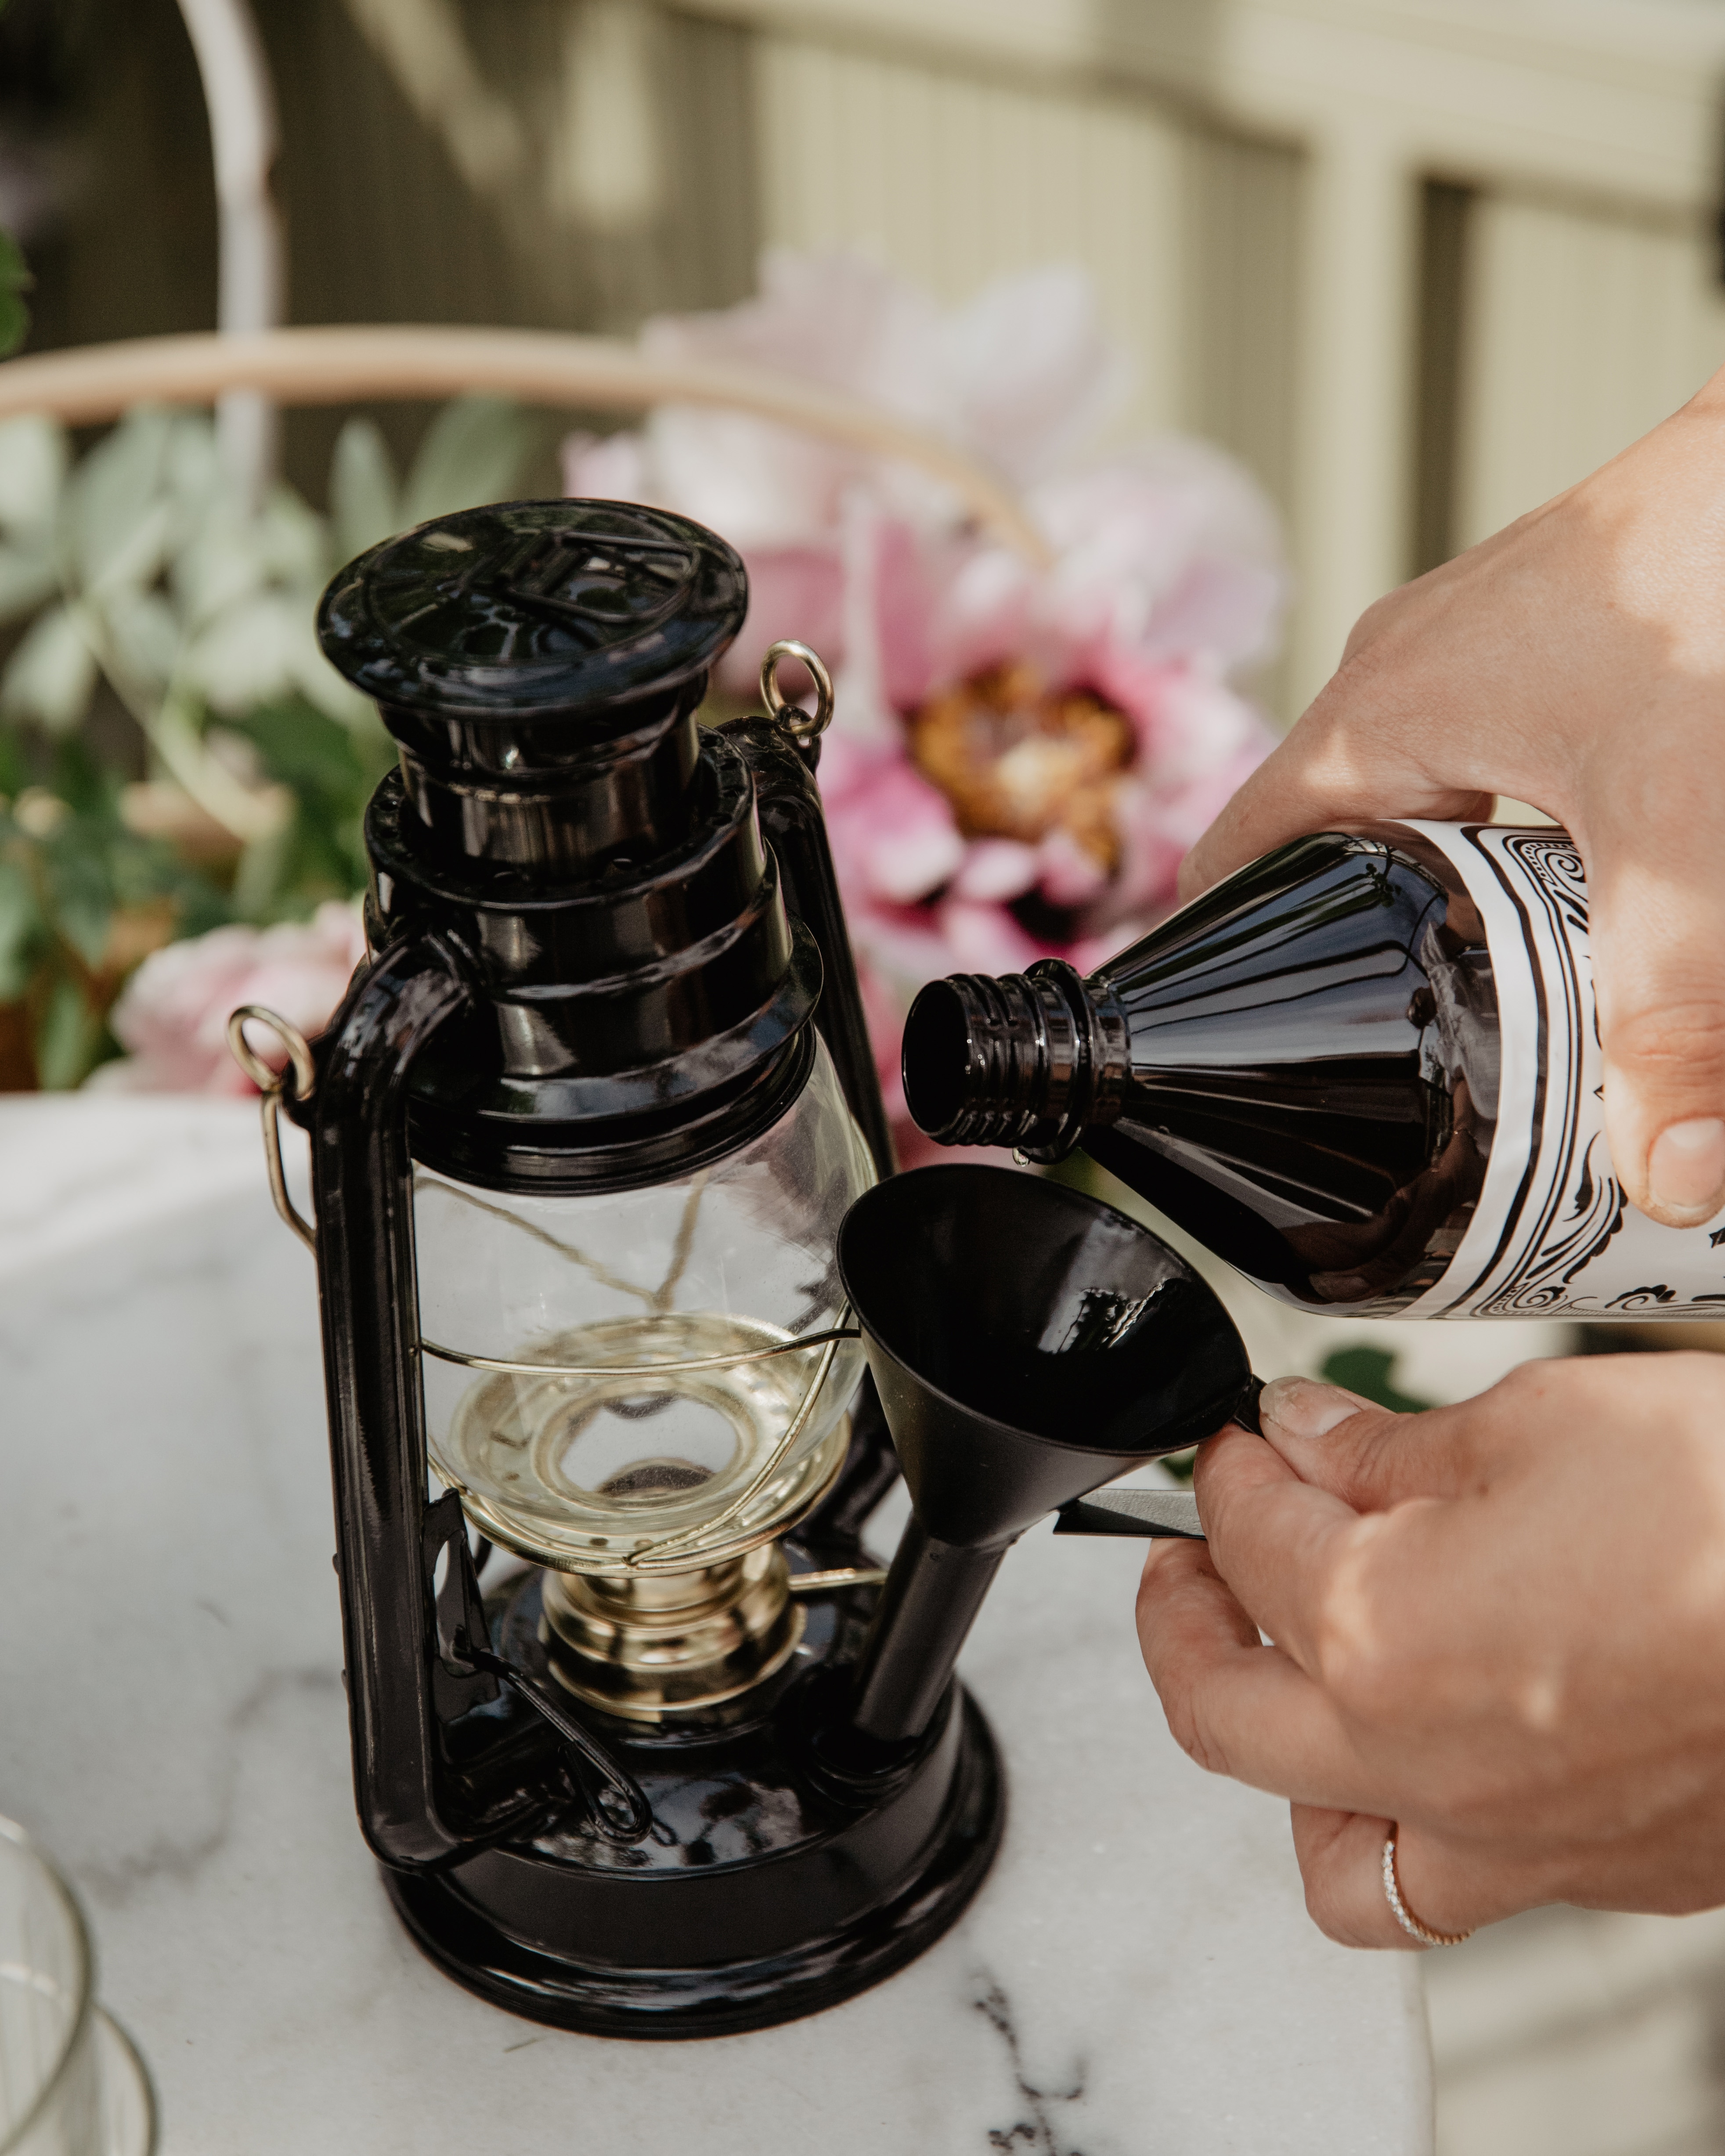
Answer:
(1137, 1973)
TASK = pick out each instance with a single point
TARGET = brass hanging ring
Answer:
(266, 1080)
(805, 725)
(272, 1085)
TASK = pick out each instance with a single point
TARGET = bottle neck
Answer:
(1026, 1059)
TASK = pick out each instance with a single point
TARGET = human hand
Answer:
(1500, 1624)
(1577, 661)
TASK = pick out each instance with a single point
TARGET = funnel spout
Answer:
(927, 1606)
(1028, 1345)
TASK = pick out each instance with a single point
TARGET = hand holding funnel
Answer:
(1028, 1344)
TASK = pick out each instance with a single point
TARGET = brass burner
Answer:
(646, 1646)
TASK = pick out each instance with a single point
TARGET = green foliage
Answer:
(139, 576)
(331, 771)
(1369, 1372)
(70, 870)
(15, 281)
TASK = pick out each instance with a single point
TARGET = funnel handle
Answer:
(1152, 1515)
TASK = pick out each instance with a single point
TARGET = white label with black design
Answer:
(1552, 1235)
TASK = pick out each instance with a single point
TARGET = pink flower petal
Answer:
(986, 939)
(793, 590)
(996, 869)
(174, 1013)
(1067, 874)
(892, 834)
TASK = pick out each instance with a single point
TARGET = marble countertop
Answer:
(1137, 1973)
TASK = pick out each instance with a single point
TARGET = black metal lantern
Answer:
(583, 1134)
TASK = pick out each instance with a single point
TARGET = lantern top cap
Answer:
(533, 609)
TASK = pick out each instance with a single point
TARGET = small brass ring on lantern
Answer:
(272, 1084)
(266, 1078)
(805, 725)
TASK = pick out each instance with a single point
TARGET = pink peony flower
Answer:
(173, 1016)
(1021, 754)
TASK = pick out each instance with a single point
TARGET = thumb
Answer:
(1370, 1457)
(1657, 912)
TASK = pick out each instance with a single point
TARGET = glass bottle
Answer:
(1364, 1070)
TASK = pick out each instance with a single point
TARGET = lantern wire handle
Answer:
(295, 1081)
(803, 724)
(656, 1556)
(635, 1370)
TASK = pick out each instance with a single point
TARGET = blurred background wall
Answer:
(1420, 263)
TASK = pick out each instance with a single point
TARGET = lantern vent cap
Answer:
(523, 609)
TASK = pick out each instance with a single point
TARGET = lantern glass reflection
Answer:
(588, 1472)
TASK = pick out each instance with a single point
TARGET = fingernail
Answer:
(1301, 1407)
(1686, 1170)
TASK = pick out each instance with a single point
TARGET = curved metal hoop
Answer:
(653, 1556)
(805, 727)
(656, 1558)
(337, 365)
(272, 1085)
(635, 1369)
(266, 1078)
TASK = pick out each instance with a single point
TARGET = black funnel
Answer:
(1028, 1344)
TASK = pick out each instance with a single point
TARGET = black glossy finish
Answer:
(530, 612)
(540, 663)
(586, 979)
(928, 1605)
(1030, 1344)
(792, 824)
(769, 1885)
(1301, 1067)
(365, 1270)
(623, 1029)
(641, 990)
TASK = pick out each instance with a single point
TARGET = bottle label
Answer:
(1552, 1235)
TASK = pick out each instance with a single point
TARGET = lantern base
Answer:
(674, 1947)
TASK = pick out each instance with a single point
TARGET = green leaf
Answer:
(26, 579)
(250, 654)
(21, 932)
(191, 469)
(80, 889)
(1368, 1371)
(143, 636)
(117, 498)
(365, 495)
(33, 456)
(472, 452)
(293, 541)
(14, 763)
(15, 281)
(220, 564)
(51, 675)
(331, 771)
(86, 785)
(68, 1038)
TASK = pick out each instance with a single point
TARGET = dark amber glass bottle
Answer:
(1364, 1070)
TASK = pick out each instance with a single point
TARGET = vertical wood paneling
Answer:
(383, 225)
(1582, 329)
(955, 181)
(1241, 301)
(1189, 233)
